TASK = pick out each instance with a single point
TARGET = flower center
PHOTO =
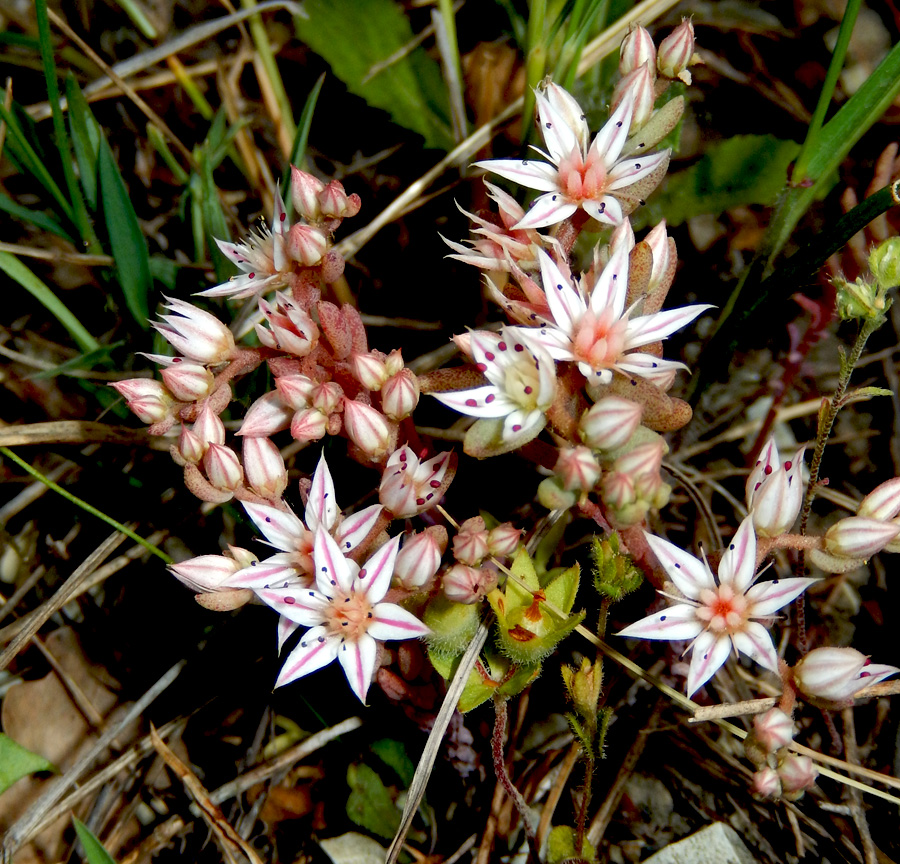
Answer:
(348, 615)
(522, 380)
(599, 340)
(580, 179)
(723, 610)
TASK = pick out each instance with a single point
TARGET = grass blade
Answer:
(127, 243)
(17, 271)
(85, 140)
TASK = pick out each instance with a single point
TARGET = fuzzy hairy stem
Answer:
(500, 721)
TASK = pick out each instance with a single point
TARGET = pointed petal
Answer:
(279, 227)
(375, 575)
(738, 565)
(630, 171)
(332, 568)
(607, 210)
(316, 649)
(756, 643)
(647, 366)
(560, 139)
(526, 172)
(356, 527)
(358, 662)
(523, 423)
(611, 287)
(285, 628)
(707, 656)
(689, 575)
(547, 210)
(302, 607)
(608, 142)
(564, 301)
(273, 572)
(321, 507)
(394, 622)
(768, 597)
(487, 401)
(554, 341)
(281, 528)
(236, 253)
(652, 328)
(676, 622)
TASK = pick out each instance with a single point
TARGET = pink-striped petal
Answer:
(358, 662)
(321, 507)
(689, 575)
(565, 302)
(393, 622)
(609, 141)
(281, 528)
(547, 209)
(707, 656)
(676, 622)
(279, 568)
(306, 607)
(738, 565)
(755, 642)
(660, 325)
(607, 210)
(356, 527)
(375, 575)
(333, 570)
(486, 401)
(316, 649)
(631, 170)
(768, 597)
(530, 173)
(285, 628)
(611, 287)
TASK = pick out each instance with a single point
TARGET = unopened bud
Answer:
(223, 468)
(577, 469)
(306, 244)
(264, 468)
(883, 502)
(188, 382)
(639, 83)
(773, 730)
(400, 394)
(859, 538)
(610, 423)
(504, 540)
(305, 190)
(884, 262)
(367, 428)
(336, 203)
(797, 774)
(327, 397)
(369, 370)
(196, 334)
(676, 52)
(470, 545)
(295, 390)
(418, 561)
(209, 427)
(765, 784)
(838, 674)
(309, 424)
(637, 49)
(191, 446)
(266, 416)
(467, 585)
(149, 400)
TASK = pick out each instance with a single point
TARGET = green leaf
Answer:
(85, 139)
(370, 804)
(298, 149)
(16, 762)
(16, 270)
(129, 247)
(561, 846)
(394, 755)
(93, 850)
(353, 36)
(36, 217)
(89, 360)
(746, 169)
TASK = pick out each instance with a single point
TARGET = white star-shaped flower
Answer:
(592, 327)
(578, 175)
(522, 382)
(344, 613)
(718, 614)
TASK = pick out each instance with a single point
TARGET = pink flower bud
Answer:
(504, 540)
(149, 400)
(206, 573)
(327, 397)
(859, 538)
(196, 334)
(765, 784)
(797, 774)
(463, 584)
(367, 429)
(410, 486)
(418, 561)
(662, 251)
(188, 382)
(369, 370)
(292, 329)
(838, 674)
(223, 468)
(393, 363)
(191, 446)
(306, 245)
(774, 729)
(209, 427)
(264, 468)
(305, 190)
(577, 469)
(296, 391)
(470, 545)
(639, 83)
(643, 462)
(617, 490)
(610, 423)
(400, 394)
(775, 491)
(266, 416)
(336, 203)
(637, 49)
(883, 502)
(309, 424)
(676, 52)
